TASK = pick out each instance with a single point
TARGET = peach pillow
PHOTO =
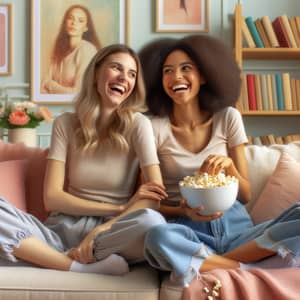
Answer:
(35, 171)
(12, 182)
(281, 191)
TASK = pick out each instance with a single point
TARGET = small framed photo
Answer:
(182, 16)
(6, 51)
(65, 35)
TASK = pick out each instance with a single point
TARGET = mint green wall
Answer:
(142, 23)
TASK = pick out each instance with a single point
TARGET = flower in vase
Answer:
(23, 115)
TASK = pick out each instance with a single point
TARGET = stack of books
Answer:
(270, 139)
(265, 33)
(269, 92)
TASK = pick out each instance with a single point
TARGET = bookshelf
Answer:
(242, 54)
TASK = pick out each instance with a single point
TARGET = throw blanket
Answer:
(273, 284)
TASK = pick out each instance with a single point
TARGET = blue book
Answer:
(279, 91)
(252, 28)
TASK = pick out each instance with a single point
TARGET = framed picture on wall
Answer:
(65, 35)
(6, 39)
(182, 16)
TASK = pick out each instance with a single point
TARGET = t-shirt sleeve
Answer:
(236, 129)
(60, 138)
(143, 141)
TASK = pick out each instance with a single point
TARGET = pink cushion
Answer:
(35, 172)
(281, 191)
(12, 182)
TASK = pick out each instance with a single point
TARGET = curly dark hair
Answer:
(215, 62)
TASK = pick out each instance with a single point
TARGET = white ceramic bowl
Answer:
(213, 199)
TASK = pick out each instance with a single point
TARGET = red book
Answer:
(280, 33)
(251, 91)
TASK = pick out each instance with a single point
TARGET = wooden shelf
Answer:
(270, 113)
(259, 54)
(271, 53)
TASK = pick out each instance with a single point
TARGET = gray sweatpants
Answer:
(63, 232)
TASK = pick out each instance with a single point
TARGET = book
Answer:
(294, 94)
(280, 33)
(295, 30)
(279, 91)
(274, 92)
(288, 30)
(271, 139)
(278, 140)
(298, 93)
(251, 92)
(269, 91)
(264, 92)
(244, 93)
(266, 21)
(287, 96)
(253, 30)
(265, 140)
(250, 140)
(262, 33)
(247, 35)
(257, 141)
(257, 82)
(298, 23)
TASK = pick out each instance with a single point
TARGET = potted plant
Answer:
(21, 120)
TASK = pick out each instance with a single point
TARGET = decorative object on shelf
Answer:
(6, 39)
(182, 16)
(56, 76)
(21, 120)
(27, 136)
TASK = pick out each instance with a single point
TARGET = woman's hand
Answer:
(193, 213)
(214, 164)
(84, 252)
(149, 191)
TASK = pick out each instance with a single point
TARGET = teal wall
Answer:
(142, 23)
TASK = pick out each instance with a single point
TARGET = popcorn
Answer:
(205, 180)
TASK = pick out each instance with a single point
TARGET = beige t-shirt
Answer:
(177, 162)
(105, 175)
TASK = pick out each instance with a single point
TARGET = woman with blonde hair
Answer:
(75, 45)
(96, 214)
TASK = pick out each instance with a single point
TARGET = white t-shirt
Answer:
(105, 175)
(176, 162)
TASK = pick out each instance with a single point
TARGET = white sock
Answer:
(246, 266)
(112, 265)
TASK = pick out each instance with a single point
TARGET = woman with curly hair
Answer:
(98, 219)
(75, 45)
(192, 85)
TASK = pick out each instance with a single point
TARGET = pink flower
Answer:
(18, 117)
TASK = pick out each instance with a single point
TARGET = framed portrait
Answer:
(5, 39)
(182, 16)
(65, 35)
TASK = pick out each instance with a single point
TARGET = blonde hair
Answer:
(88, 106)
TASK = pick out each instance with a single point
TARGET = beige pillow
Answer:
(281, 191)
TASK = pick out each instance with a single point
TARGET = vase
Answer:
(22, 135)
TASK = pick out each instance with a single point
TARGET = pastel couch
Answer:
(21, 182)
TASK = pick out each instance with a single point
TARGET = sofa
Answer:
(274, 170)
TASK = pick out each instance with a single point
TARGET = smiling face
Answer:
(181, 78)
(76, 22)
(115, 79)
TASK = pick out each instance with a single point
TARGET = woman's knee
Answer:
(157, 236)
(152, 218)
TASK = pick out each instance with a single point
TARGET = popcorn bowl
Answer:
(213, 199)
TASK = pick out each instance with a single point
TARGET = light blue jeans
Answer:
(172, 246)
